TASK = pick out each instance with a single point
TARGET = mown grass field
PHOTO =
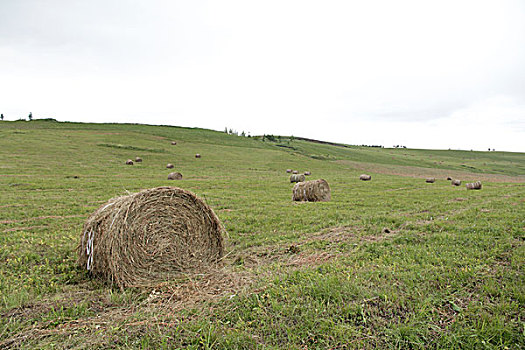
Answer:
(393, 263)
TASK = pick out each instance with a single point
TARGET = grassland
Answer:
(393, 263)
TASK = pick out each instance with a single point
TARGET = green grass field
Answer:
(393, 263)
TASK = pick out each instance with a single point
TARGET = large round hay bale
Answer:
(295, 172)
(365, 177)
(170, 166)
(288, 171)
(297, 178)
(138, 159)
(174, 176)
(150, 236)
(474, 185)
(129, 162)
(456, 182)
(197, 155)
(311, 191)
(430, 180)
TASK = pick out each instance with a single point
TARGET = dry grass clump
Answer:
(430, 180)
(138, 159)
(297, 178)
(129, 162)
(474, 185)
(197, 155)
(307, 173)
(365, 177)
(170, 166)
(288, 171)
(174, 176)
(456, 182)
(312, 191)
(150, 236)
(295, 172)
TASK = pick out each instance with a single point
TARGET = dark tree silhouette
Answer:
(30, 116)
(2, 116)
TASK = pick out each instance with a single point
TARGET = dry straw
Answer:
(474, 185)
(129, 162)
(456, 182)
(430, 180)
(174, 176)
(138, 159)
(297, 178)
(150, 236)
(365, 177)
(170, 166)
(312, 191)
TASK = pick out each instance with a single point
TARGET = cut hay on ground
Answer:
(175, 176)
(138, 159)
(150, 236)
(312, 191)
(474, 185)
(365, 177)
(129, 162)
(170, 166)
(430, 180)
(297, 178)
(456, 182)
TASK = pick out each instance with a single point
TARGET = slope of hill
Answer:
(394, 262)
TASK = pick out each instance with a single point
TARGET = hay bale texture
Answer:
(312, 191)
(365, 177)
(474, 185)
(456, 182)
(430, 180)
(297, 178)
(146, 237)
(174, 176)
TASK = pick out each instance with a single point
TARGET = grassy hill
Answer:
(390, 263)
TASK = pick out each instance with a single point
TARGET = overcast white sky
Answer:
(426, 74)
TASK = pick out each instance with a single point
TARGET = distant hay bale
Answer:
(295, 172)
(307, 173)
(150, 236)
(129, 162)
(430, 180)
(197, 155)
(365, 177)
(138, 159)
(474, 185)
(288, 170)
(170, 166)
(173, 143)
(174, 176)
(297, 178)
(449, 178)
(312, 191)
(456, 182)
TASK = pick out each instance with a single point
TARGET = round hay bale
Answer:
(197, 155)
(150, 236)
(430, 180)
(173, 143)
(295, 172)
(474, 185)
(288, 171)
(174, 176)
(307, 173)
(129, 162)
(170, 166)
(365, 177)
(138, 159)
(449, 178)
(297, 178)
(456, 182)
(312, 191)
